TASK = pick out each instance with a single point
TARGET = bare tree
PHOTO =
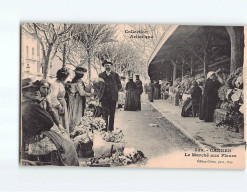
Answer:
(146, 45)
(50, 36)
(92, 37)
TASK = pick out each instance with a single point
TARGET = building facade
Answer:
(31, 57)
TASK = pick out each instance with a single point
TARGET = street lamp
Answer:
(28, 69)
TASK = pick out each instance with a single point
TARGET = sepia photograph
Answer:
(132, 95)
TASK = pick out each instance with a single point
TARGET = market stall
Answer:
(96, 147)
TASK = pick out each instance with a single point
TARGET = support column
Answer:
(175, 67)
(236, 34)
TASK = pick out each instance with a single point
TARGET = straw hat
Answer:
(81, 69)
(210, 74)
(28, 82)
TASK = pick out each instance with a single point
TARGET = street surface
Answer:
(152, 141)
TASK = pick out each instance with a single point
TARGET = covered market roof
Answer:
(186, 45)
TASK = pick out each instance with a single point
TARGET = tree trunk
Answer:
(89, 67)
(46, 67)
(47, 63)
(206, 62)
(175, 67)
(182, 70)
(64, 55)
(236, 34)
(192, 71)
(64, 50)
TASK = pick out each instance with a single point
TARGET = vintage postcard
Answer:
(132, 95)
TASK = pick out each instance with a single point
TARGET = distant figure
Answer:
(191, 105)
(151, 91)
(210, 96)
(156, 90)
(146, 88)
(139, 92)
(131, 96)
(196, 95)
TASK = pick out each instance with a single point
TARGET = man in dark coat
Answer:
(139, 91)
(108, 96)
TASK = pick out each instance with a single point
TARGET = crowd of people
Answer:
(50, 111)
(156, 90)
(133, 94)
(203, 96)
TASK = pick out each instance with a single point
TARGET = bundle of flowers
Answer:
(88, 123)
(235, 79)
(239, 82)
(226, 105)
(177, 82)
(176, 85)
(200, 79)
(115, 136)
(222, 92)
(97, 85)
(237, 95)
(233, 121)
(186, 84)
(241, 109)
(120, 158)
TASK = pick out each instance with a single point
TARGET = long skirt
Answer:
(130, 101)
(206, 109)
(75, 110)
(64, 145)
(150, 96)
(63, 119)
(187, 108)
(156, 93)
(202, 108)
(138, 101)
(209, 109)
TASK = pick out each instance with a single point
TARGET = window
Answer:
(27, 51)
(33, 52)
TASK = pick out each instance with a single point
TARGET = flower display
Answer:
(222, 92)
(233, 90)
(120, 158)
(235, 79)
(103, 148)
(97, 85)
(237, 94)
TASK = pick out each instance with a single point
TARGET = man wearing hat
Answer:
(139, 91)
(108, 96)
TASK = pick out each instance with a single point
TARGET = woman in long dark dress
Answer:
(131, 99)
(210, 96)
(156, 90)
(151, 91)
(188, 105)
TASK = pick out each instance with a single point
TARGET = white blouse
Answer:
(57, 93)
